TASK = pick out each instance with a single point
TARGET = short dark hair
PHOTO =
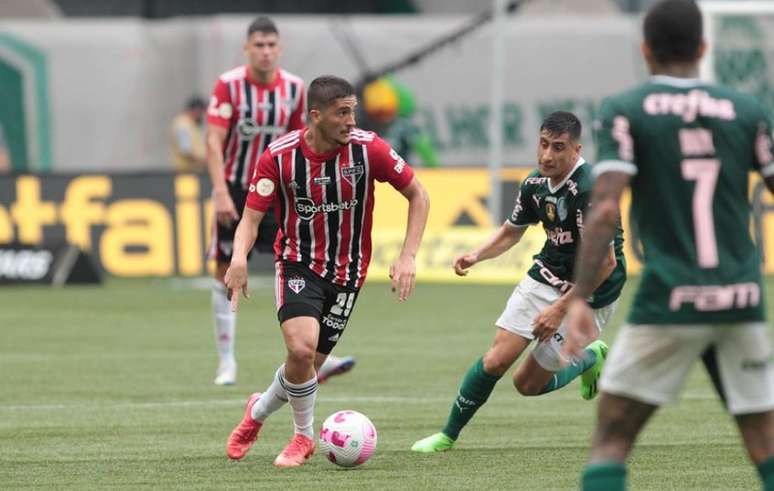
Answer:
(262, 24)
(327, 88)
(561, 122)
(673, 31)
(195, 102)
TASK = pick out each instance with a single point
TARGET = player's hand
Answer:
(547, 322)
(225, 211)
(464, 262)
(236, 282)
(403, 274)
(581, 329)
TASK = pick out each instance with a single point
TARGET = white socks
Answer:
(302, 398)
(272, 399)
(225, 326)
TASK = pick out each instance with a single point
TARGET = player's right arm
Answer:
(508, 235)
(219, 113)
(244, 239)
(261, 195)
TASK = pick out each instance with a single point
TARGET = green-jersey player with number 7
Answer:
(686, 149)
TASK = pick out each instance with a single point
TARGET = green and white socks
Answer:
(570, 372)
(473, 393)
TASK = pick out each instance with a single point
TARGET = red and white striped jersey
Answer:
(254, 115)
(324, 203)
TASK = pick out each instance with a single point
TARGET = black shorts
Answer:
(223, 241)
(302, 293)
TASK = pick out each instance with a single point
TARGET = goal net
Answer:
(740, 38)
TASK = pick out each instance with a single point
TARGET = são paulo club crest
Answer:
(296, 284)
(353, 173)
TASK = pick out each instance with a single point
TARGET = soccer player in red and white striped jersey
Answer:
(320, 184)
(251, 106)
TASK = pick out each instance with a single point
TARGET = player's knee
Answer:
(301, 355)
(494, 364)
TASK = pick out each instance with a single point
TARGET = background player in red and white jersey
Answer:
(320, 184)
(251, 106)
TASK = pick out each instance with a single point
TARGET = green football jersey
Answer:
(689, 148)
(561, 209)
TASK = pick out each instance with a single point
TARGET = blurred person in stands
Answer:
(188, 150)
(251, 106)
(388, 109)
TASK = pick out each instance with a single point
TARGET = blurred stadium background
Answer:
(88, 91)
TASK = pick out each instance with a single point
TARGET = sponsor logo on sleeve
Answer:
(225, 110)
(399, 162)
(265, 187)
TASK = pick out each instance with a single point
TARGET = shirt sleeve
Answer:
(263, 192)
(764, 148)
(220, 109)
(523, 212)
(387, 166)
(298, 116)
(615, 144)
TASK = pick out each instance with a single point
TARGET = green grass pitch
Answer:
(111, 388)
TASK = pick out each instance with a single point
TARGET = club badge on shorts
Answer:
(296, 284)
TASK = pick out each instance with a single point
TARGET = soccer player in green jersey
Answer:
(556, 195)
(685, 149)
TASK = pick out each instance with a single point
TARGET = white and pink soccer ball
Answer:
(348, 438)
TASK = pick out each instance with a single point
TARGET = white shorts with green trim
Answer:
(528, 299)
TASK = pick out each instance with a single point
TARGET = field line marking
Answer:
(240, 401)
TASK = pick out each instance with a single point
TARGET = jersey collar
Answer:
(312, 155)
(272, 85)
(675, 81)
(552, 189)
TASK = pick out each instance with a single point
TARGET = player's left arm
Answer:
(390, 167)
(599, 231)
(403, 270)
(614, 133)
